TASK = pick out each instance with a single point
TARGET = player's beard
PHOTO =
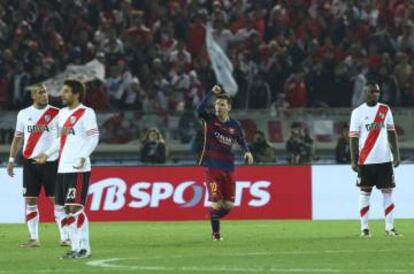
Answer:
(67, 102)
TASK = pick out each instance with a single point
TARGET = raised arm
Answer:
(202, 107)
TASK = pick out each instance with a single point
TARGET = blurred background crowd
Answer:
(286, 54)
(296, 53)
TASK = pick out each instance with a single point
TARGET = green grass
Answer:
(248, 247)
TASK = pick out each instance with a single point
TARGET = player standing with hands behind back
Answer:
(78, 138)
(374, 152)
(220, 132)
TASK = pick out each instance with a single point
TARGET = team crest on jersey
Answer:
(47, 118)
(72, 119)
(382, 115)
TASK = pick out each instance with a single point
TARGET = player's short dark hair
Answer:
(224, 97)
(77, 88)
(372, 85)
(296, 125)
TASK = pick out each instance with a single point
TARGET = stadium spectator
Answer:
(187, 123)
(342, 151)
(222, 35)
(300, 145)
(390, 91)
(359, 84)
(154, 150)
(259, 94)
(263, 151)
(295, 89)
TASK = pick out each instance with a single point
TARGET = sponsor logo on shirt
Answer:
(72, 120)
(374, 126)
(37, 129)
(223, 139)
(67, 131)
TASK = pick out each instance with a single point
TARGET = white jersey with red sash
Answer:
(39, 127)
(371, 126)
(76, 125)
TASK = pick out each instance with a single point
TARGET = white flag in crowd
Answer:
(223, 68)
(85, 73)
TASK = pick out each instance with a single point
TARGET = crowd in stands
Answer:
(286, 53)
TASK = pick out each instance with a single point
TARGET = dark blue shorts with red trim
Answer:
(220, 185)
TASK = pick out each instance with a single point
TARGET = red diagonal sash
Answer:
(373, 135)
(70, 122)
(34, 137)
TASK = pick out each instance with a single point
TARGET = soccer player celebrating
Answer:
(374, 152)
(220, 132)
(37, 125)
(78, 139)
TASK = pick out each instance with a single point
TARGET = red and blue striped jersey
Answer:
(219, 138)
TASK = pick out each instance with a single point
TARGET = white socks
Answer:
(32, 219)
(388, 209)
(60, 218)
(78, 226)
(83, 231)
(364, 208)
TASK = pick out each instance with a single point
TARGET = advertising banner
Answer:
(179, 193)
(335, 196)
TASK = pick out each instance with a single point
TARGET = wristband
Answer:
(11, 160)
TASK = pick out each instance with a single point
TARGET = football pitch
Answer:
(186, 247)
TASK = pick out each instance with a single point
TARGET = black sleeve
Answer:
(161, 155)
(144, 153)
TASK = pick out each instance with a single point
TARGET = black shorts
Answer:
(37, 175)
(72, 188)
(379, 175)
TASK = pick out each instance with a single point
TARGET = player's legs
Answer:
(32, 220)
(365, 182)
(228, 205)
(388, 208)
(78, 229)
(364, 204)
(221, 188)
(77, 222)
(215, 194)
(49, 180)
(386, 184)
(31, 191)
(60, 219)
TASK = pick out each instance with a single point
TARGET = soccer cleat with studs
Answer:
(392, 233)
(83, 254)
(69, 255)
(365, 233)
(217, 237)
(31, 244)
